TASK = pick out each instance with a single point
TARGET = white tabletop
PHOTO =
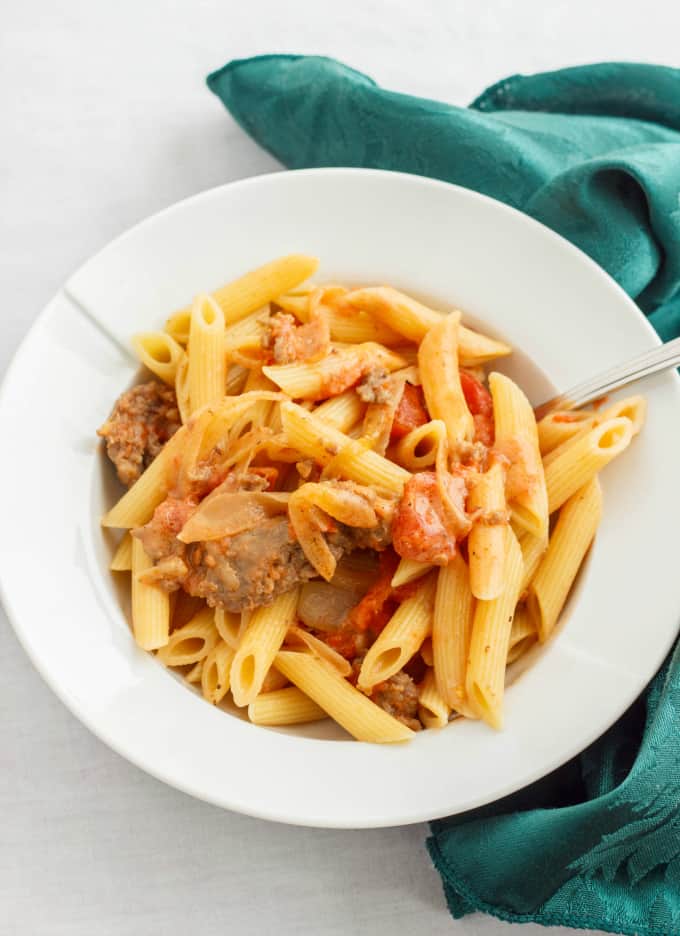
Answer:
(106, 119)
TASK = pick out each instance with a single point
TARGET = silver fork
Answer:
(649, 362)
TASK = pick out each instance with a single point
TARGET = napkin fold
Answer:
(594, 153)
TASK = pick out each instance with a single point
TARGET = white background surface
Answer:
(105, 119)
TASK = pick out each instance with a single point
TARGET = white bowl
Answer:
(444, 243)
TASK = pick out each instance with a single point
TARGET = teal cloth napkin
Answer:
(593, 152)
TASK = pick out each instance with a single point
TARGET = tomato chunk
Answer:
(410, 413)
(480, 405)
(421, 529)
(372, 613)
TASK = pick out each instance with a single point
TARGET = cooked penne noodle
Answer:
(346, 705)
(490, 639)
(418, 448)
(342, 411)
(316, 439)
(182, 389)
(409, 570)
(582, 458)
(236, 378)
(433, 709)
(254, 290)
(207, 363)
(426, 652)
(413, 320)
(523, 634)
(438, 366)
(229, 626)
(486, 540)
(346, 323)
(558, 427)
(582, 421)
(451, 629)
(246, 335)
(195, 674)
(533, 549)
(633, 408)
(122, 558)
(303, 639)
(317, 380)
(150, 604)
(179, 325)
(574, 531)
(215, 673)
(192, 642)
(284, 707)
(273, 681)
(160, 353)
(517, 439)
(259, 645)
(401, 637)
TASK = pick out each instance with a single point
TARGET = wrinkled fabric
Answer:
(594, 153)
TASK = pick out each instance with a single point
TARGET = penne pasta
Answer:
(178, 326)
(401, 637)
(574, 531)
(342, 412)
(633, 408)
(451, 629)
(581, 459)
(517, 439)
(559, 427)
(346, 705)
(192, 642)
(413, 320)
(409, 570)
(160, 353)
(486, 540)
(254, 290)
(314, 438)
(302, 639)
(337, 371)
(182, 389)
(490, 640)
(433, 709)
(195, 674)
(229, 626)
(216, 671)
(284, 707)
(207, 364)
(259, 645)
(438, 366)
(122, 558)
(150, 604)
(246, 335)
(523, 634)
(418, 449)
(346, 323)
(533, 549)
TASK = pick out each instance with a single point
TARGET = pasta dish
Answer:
(333, 510)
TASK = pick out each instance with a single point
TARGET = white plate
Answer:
(444, 243)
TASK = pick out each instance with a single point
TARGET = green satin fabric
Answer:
(593, 152)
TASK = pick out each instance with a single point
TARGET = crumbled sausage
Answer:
(140, 424)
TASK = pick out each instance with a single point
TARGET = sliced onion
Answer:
(230, 513)
(324, 607)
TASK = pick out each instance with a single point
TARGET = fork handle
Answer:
(649, 362)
